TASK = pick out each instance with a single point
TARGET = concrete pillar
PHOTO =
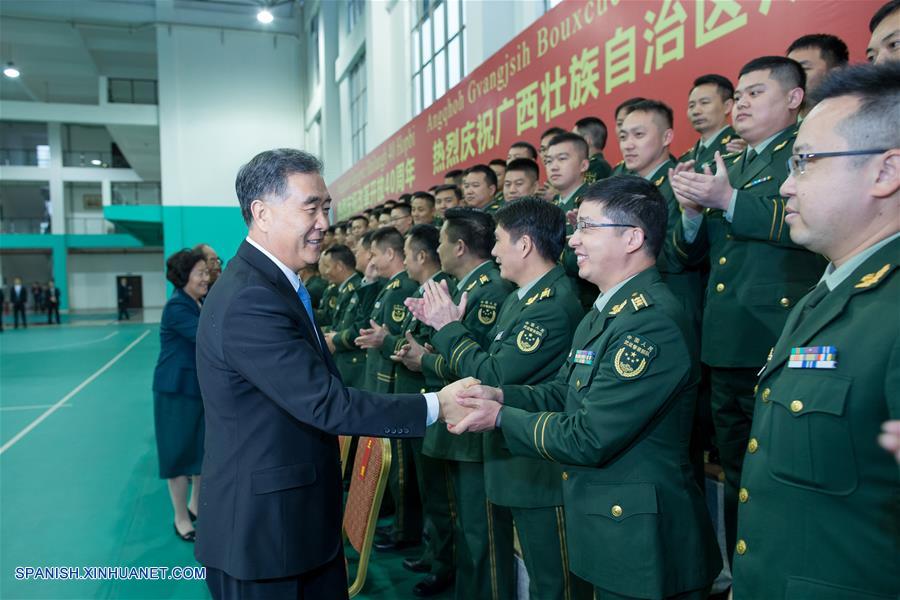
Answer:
(57, 192)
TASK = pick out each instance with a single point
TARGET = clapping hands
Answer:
(436, 308)
(371, 338)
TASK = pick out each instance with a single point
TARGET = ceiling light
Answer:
(96, 162)
(264, 16)
(11, 71)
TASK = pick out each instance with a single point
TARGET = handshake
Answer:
(466, 405)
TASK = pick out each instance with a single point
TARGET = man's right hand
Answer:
(451, 411)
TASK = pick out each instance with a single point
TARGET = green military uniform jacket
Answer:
(528, 344)
(618, 415)
(388, 310)
(316, 285)
(819, 506)
(327, 304)
(757, 274)
(495, 204)
(706, 155)
(407, 381)
(486, 292)
(598, 168)
(620, 169)
(351, 314)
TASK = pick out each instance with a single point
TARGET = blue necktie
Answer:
(307, 302)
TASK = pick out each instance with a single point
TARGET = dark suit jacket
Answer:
(176, 368)
(271, 493)
(53, 296)
(18, 299)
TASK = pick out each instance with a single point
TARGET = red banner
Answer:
(584, 58)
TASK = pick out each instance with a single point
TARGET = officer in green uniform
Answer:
(422, 206)
(498, 166)
(819, 510)
(466, 240)
(617, 415)
(521, 179)
(327, 304)
(445, 196)
(527, 346)
(349, 359)
(644, 140)
(594, 132)
(566, 161)
(480, 189)
(756, 273)
(432, 474)
(314, 283)
(709, 104)
(387, 316)
(621, 112)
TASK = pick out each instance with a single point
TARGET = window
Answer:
(437, 49)
(314, 48)
(355, 10)
(548, 4)
(358, 118)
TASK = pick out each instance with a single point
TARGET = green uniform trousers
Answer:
(542, 537)
(439, 506)
(404, 489)
(481, 526)
(732, 400)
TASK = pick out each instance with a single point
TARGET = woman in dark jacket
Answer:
(177, 405)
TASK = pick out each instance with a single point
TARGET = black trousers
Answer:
(52, 309)
(327, 582)
(19, 309)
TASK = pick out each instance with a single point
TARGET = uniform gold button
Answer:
(422, 391)
(578, 383)
(743, 495)
(741, 547)
(752, 446)
(720, 287)
(723, 260)
(785, 302)
(565, 476)
(354, 359)
(796, 406)
(755, 387)
(766, 393)
(616, 510)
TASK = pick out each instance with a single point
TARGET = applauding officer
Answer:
(619, 412)
(819, 513)
(527, 345)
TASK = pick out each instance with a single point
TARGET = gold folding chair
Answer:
(367, 483)
(345, 442)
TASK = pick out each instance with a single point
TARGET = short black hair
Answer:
(531, 149)
(786, 71)
(554, 131)
(366, 240)
(655, 107)
(722, 83)
(634, 200)
(542, 221)
(474, 227)
(388, 237)
(498, 161)
(526, 165)
(875, 124)
(343, 254)
(342, 226)
(567, 136)
(425, 238)
(882, 13)
(449, 186)
(180, 264)
(594, 131)
(628, 104)
(357, 218)
(267, 173)
(425, 196)
(389, 203)
(832, 48)
(454, 173)
(486, 171)
(403, 206)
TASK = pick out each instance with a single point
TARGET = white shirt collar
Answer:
(293, 278)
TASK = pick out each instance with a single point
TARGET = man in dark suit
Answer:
(18, 296)
(274, 400)
(123, 296)
(53, 299)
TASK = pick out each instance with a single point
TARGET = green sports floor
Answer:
(78, 471)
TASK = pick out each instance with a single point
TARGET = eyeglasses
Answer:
(797, 162)
(583, 224)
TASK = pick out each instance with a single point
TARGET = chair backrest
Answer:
(367, 483)
(345, 441)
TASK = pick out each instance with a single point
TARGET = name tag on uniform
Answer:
(584, 357)
(813, 357)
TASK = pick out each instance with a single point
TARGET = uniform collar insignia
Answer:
(873, 278)
(618, 308)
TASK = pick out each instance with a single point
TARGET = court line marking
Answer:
(31, 407)
(68, 396)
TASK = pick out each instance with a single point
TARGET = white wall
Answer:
(224, 96)
(92, 278)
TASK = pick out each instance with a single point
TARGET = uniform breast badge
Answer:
(584, 357)
(813, 357)
(633, 356)
(487, 312)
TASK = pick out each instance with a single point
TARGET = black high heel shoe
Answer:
(190, 536)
